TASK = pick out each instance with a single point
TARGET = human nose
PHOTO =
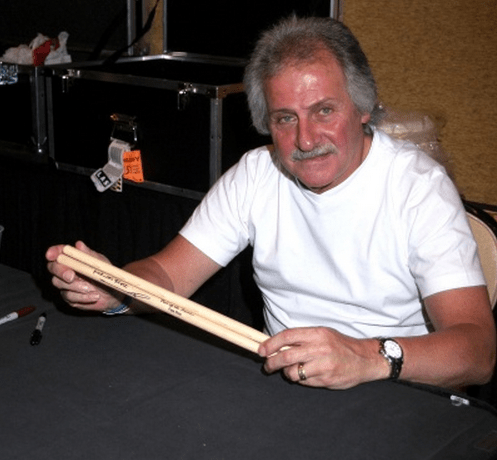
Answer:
(306, 138)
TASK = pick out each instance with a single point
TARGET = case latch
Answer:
(67, 79)
(184, 92)
(125, 128)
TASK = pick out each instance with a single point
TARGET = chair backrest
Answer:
(485, 234)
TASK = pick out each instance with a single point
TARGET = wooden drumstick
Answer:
(162, 299)
(171, 297)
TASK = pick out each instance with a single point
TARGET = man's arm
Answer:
(462, 349)
(460, 352)
(179, 267)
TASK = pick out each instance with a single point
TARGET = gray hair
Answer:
(299, 40)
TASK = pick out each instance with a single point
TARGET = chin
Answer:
(317, 187)
(319, 180)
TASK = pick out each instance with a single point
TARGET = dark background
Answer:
(215, 27)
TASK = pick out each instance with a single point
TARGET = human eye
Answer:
(285, 119)
(325, 111)
(282, 118)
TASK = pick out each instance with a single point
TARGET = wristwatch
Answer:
(393, 353)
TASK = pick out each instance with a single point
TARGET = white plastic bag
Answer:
(59, 55)
(55, 52)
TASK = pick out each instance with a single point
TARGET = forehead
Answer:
(322, 76)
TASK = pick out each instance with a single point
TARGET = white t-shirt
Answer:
(357, 258)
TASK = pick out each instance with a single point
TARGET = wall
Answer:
(439, 57)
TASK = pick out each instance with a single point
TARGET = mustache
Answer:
(299, 155)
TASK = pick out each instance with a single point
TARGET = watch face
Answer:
(393, 349)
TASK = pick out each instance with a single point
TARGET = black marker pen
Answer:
(36, 335)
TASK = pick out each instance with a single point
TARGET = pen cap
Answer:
(25, 311)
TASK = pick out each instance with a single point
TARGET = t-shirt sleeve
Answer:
(218, 226)
(442, 252)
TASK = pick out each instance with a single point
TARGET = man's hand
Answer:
(79, 292)
(327, 358)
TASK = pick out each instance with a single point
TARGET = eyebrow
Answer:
(315, 105)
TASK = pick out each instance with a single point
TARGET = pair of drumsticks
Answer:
(162, 299)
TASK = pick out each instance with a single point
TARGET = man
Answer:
(355, 236)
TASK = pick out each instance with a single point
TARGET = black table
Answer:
(151, 388)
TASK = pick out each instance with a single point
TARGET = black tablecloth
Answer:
(152, 388)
